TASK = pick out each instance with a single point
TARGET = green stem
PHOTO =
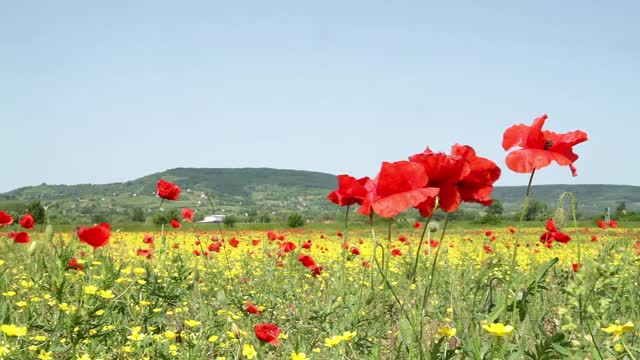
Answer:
(512, 270)
(627, 349)
(525, 207)
(427, 290)
(414, 274)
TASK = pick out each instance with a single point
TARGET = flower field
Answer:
(201, 295)
(551, 291)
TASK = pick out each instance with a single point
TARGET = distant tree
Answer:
(536, 210)
(165, 217)
(295, 220)
(264, 219)
(495, 208)
(621, 209)
(230, 221)
(137, 215)
(37, 211)
(488, 219)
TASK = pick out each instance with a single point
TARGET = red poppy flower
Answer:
(175, 223)
(613, 224)
(540, 148)
(268, 333)
(553, 234)
(196, 252)
(96, 236)
(488, 233)
(74, 264)
(148, 240)
(602, 225)
(187, 214)
(350, 191)
(252, 309)
(477, 185)
(21, 237)
(5, 219)
(288, 246)
(168, 190)
(417, 225)
(315, 272)
(576, 267)
(27, 221)
(444, 172)
(339, 234)
(234, 242)
(398, 186)
(143, 252)
(511, 229)
(355, 251)
(488, 249)
(306, 245)
(434, 243)
(272, 236)
(215, 247)
(255, 242)
(396, 252)
(307, 261)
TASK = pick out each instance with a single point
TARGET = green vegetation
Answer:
(262, 196)
(295, 220)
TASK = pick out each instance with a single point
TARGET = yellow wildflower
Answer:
(299, 356)
(249, 351)
(498, 329)
(348, 335)
(173, 350)
(90, 289)
(447, 331)
(45, 355)
(332, 341)
(12, 330)
(107, 294)
(618, 329)
(192, 323)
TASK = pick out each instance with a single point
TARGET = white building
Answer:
(212, 219)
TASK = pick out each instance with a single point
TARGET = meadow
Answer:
(200, 294)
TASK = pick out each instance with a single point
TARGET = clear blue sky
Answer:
(96, 92)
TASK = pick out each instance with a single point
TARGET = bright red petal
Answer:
(400, 176)
(561, 237)
(392, 205)
(449, 197)
(526, 160)
(535, 138)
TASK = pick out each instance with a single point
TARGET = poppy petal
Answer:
(526, 160)
(392, 205)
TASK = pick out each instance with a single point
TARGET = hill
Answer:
(259, 193)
